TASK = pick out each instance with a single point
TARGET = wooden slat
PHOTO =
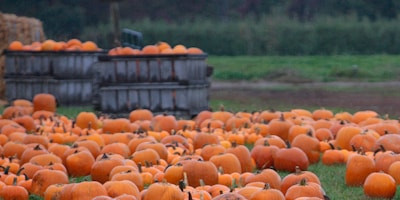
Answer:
(154, 70)
(143, 71)
(166, 70)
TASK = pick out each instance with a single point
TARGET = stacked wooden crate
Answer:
(174, 84)
(12, 27)
(68, 75)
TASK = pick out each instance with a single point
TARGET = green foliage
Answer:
(73, 111)
(80, 179)
(297, 69)
(270, 35)
(35, 197)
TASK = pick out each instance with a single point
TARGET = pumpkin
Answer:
(267, 193)
(379, 184)
(287, 159)
(45, 102)
(358, 168)
(117, 188)
(228, 162)
(296, 177)
(263, 155)
(46, 177)
(140, 114)
(87, 190)
(87, 120)
(79, 163)
(243, 154)
(101, 169)
(208, 172)
(201, 139)
(163, 191)
(309, 145)
(304, 189)
(267, 176)
(14, 192)
(164, 122)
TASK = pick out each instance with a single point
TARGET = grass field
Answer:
(307, 68)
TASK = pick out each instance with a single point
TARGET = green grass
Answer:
(307, 68)
(257, 105)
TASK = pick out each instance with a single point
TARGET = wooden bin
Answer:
(158, 68)
(60, 65)
(67, 92)
(172, 98)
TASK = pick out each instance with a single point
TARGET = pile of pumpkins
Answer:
(51, 45)
(149, 156)
(160, 48)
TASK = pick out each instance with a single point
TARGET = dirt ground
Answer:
(383, 98)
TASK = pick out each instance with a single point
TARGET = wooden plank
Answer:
(180, 70)
(87, 62)
(43, 68)
(122, 100)
(154, 70)
(86, 94)
(182, 99)
(121, 71)
(11, 89)
(155, 99)
(109, 100)
(167, 99)
(11, 65)
(133, 97)
(143, 71)
(144, 98)
(131, 71)
(166, 72)
(60, 65)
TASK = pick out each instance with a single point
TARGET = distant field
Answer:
(297, 69)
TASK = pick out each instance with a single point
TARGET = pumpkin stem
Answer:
(240, 183)
(147, 164)
(185, 179)
(309, 132)
(267, 186)
(382, 148)
(221, 108)
(353, 148)
(26, 177)
(234, 144)
(190, 196)
(104, 156)
(139, 165)
(182, 185)
(331, 146)
(233, 184)
(282, 118)
(202, 182)
(15, 181)
(298, 170)
(19, 171)
(201, 195)
(37, 147)
(266, 143)
(303, 182)
(221, 170)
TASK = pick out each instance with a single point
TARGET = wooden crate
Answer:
(67, 92)
(172, 98)
(158, 68)
(60, 65)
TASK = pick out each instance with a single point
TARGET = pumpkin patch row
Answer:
(147, 156)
